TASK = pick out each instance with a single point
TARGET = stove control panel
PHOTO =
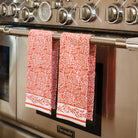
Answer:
(87, 14)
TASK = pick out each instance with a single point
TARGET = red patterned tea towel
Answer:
(41, 71)
(76, 78)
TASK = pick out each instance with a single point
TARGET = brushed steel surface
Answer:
(7, 131)
(15, 124)
(123, 124)
(99, 23)
(9, 108)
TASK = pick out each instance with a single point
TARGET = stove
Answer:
(114, 28)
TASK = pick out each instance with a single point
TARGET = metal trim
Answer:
(105, 41)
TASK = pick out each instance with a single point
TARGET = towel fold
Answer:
(41, 71)
(76, 78)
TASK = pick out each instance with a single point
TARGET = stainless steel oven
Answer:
(116, 97)
(113, 24)
(8, 75)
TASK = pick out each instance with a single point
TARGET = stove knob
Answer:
(87, 13)
(32, 3)
(36, 4)
(65, 16)
(13, 10)
(56, 4)
(27, 15)
(114, 14)
(4, 9)
(131, 14)
(16, 1)
(45, 12)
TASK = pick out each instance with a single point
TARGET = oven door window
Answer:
(4, 73)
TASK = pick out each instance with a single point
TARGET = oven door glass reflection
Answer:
(4, 73)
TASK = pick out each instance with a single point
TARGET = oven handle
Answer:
(129, 43)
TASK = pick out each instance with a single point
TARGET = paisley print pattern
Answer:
(76, 78)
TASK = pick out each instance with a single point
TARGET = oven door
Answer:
(8, 75)
(116, 115)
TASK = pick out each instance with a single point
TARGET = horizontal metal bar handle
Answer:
(130, 43)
